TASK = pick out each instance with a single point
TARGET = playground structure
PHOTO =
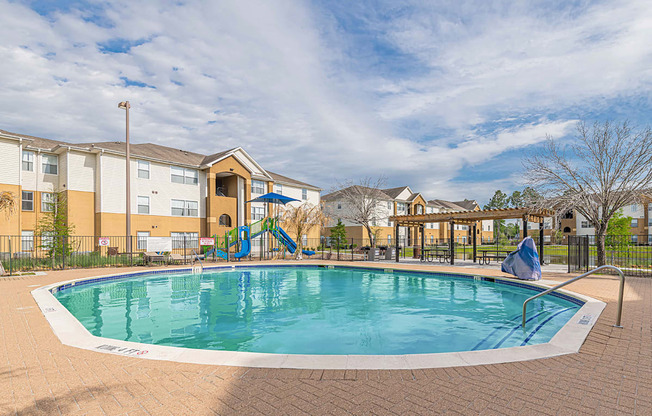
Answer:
(242, 236)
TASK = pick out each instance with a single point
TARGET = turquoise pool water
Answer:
(311, 310)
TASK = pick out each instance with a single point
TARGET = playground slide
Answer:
(289, 242)
(245, 244)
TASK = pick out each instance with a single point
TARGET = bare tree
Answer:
(363, 202)
(301, 220)
(607, 167)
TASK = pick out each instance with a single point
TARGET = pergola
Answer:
(471, 218)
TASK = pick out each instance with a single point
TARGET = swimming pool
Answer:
(317, 310)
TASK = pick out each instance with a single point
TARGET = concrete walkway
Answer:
(612, 374)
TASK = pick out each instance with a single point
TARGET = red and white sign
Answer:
(103, 241)
(206, 241)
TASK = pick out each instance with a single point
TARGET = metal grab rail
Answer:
(196, 258)
(620, 295)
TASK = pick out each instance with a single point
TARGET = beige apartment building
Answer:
(174, 192)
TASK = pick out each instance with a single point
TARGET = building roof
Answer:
(448, 205)
(147, 150)
(468, 204)
(333, 196)
(284, 179)
(394, 192)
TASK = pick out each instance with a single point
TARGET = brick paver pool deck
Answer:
(612, 373)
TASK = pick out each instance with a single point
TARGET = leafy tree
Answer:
(53, 227)
(338, 234)
(618, 230)
(498, 201)
(606, 168)
(528, 197)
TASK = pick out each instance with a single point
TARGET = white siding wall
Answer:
(10, 162)
(81, 176)
(159, 187)
(37, 180)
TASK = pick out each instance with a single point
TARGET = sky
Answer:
(446, 97)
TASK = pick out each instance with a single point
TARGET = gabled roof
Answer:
(149, 150)
(216, 156)
(394, 192)
(289, 181)
(447, 204)
(334, 196)
(468, 204)
(35, 142)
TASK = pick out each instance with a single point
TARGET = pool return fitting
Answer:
(607, 266)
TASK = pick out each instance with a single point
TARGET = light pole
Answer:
(125, 106)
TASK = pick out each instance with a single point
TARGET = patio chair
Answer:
(151, 257)
(175, 258)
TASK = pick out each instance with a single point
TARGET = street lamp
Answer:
(125, 106)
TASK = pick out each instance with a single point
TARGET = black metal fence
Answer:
(631, 253)
(30, 253)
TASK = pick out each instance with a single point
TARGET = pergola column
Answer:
(524, 227)
(475, 232)
(541, 243)
(423, 239)
(396, 240)
(452, 242)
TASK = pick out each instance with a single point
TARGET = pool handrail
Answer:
(196, 258)
(590, 272)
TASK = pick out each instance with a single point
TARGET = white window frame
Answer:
(634, 223)
(278, 188)
(304, 194)
(27, 241)
(192, 240)
(257, 187)
(184, 175)
(141, 237)
(46, 165)
(140, 200)
(23, 200)
(143, 169)
(47, 201)
(186, 208)
(29, 160)
(257, 213)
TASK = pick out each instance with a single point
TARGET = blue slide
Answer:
(289, 242)
(245, 244)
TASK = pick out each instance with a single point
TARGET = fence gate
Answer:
(578, 253)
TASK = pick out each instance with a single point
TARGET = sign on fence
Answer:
(159, 244)
(207, 241)
(103, 241)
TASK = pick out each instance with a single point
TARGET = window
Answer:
(28, 161)
(257, 187)
(141, 240)
(389, 223)
(634, 207)
(181, 208)
(634, 223)
(585, 224)
(47, 201)
(47, 240)
(304, 194)
(185, 240)
(390, 205)
(432, 239)
(634, 239)
(225, 220)
(257, 213)
(28, 201)
(143, 205)
(278, 188)
(389, 240)
(304, 240)
(27, 241)
(143, 169)
(419, 209)
(400, 206)
(50, 163)
(182, 175)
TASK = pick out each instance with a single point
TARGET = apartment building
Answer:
(574, 223)
(173, 192)
(403, 201)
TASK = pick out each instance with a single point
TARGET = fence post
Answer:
(351, 249)
(63, 252)
(11, 255)
(185, 258)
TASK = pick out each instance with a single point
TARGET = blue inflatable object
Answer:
(524, 262)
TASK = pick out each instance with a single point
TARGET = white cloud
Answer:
(279, 79)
